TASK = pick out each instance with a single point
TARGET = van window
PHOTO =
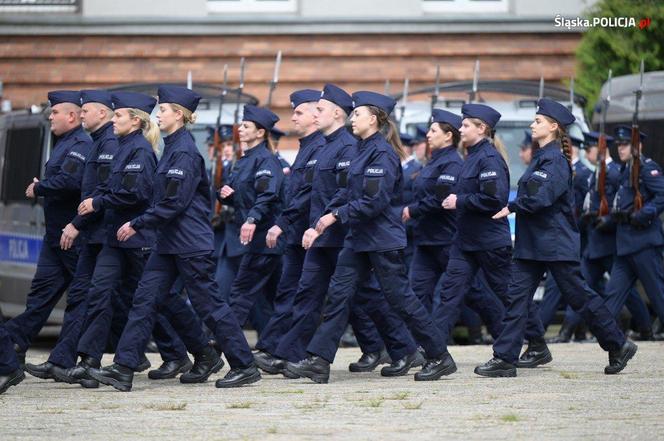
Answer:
(23, 154)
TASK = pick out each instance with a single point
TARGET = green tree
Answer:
(620, 49)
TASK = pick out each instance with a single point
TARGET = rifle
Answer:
(275, 80)
(218, 159)
(404, 99)
(237, 148)
(600, 178)
(635, 169)
(436, 89)
(476, 79)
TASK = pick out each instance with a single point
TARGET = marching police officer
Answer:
(293, 221)
(639, 237)
(372, 209)
(254, 191)
(180, 213)
(547, 238)
(61, 189)
(96, 117)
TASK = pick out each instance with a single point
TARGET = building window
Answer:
(39, 6)
(247, 6)
(465, 6)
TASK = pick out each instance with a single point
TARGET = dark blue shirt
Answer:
(546, 227)
(96, 174)
(602, 243)
(180, 211)
(129, 190)
(482, 191)
(294, 220)
(434, 225)
(373, 207)
(61, 186)
(257, 179)
(644, 228)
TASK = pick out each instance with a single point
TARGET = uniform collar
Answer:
(70, 133)
(552, 146)
(366, 141)
(439, 153)
(334, 135)
(129, 136)
(475, 148)
(173, 137)
(309, 139)
(102, 131)
(253, 150)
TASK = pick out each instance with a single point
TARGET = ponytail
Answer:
(563, 138)
(150, 128)
(389, 130)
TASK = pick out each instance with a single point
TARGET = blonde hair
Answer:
(389, 129)
(490, 133)
(150, 128)
(188, 116)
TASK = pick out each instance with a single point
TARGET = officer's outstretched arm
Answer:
(182, 179)
(544, 187)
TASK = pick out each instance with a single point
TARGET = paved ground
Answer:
(569, 399)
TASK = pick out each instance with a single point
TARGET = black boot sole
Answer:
(628, 356)
(442, 373)
(38, 374)
(144, 366)
(399, 373)
(253, 378)
(13, 382)
(84, 382)
(154, 375)
(108, 381)
(267, 368)
(216, 368)
(353, 367)
(313, 376)
(503, 373)
(547, 358)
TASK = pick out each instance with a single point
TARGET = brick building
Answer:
(358, 44)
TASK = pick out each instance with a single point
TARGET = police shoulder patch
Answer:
(263, 172)
(541, 174)
(175, 173)
(343, 164)
(134, 166)
(312, 162)
(77, 155)
(374, 171)
(488, 174)
(447, 178)
(105, 157)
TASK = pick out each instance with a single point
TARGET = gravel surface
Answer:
(570, 398)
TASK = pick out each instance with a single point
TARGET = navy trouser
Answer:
(550, 303)
(481, 300)
(154, 291)
(64, 354)
(281, 318)
(251, 282)
(646, 265)
(526, 275)
(462, 271)
(354, 268)
(8, 360)
(429, 265)
(226, 271)
(55, 270)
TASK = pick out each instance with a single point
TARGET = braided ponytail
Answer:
(563, 138)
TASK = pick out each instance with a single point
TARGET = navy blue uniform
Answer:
(411, 170)
(480, 242)
(93, 231)
(180, 214)
(61, 189)
(434, 229)
(639, 239)
(329, 178)
(257, 179)
(8, 359)
(376, 241)
(293, 221)
(547, 238)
